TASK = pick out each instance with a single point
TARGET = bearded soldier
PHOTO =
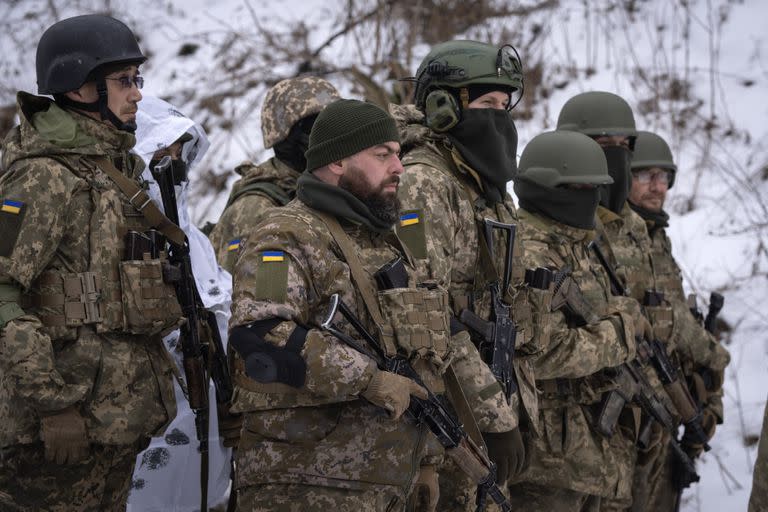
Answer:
(460, 144)
(703, 360)
(84, 377)
(289, 110)
(322, 426)
(573, 466)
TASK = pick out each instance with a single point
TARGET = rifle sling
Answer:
(364, 283)
(141, 201)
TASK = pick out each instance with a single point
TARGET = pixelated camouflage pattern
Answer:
(645, 261)
(289, 101)
(758, 500)
(570, 454)
(100, 482)
(544, 498)
(121, 383)
(321, 434)
(241, 216)
(433, 182)
(300, 498)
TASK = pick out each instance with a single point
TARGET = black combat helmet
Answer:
(73, 51)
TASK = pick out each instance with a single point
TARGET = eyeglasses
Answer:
(126, 82)
(646, 176)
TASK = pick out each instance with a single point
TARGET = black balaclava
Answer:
(619, 160)
(487, 139)
(572, 207)
(656, 219)
(291, 149)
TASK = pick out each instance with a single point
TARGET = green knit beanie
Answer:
(346, 127)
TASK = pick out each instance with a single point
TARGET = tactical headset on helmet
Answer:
(652, 151)
(291, 100)
(597, 114)
(72, 51)
(562, 158)
(450, 68)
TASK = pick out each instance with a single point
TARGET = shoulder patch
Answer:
(11, 216)
(233, 245)
(410, 229)
(272, 276)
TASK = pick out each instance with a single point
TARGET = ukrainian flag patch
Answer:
(10, 206)
(409, 219)
(272, 256)
(233, 245)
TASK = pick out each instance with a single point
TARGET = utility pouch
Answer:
(659, 313)
(420, 326)
(136, 246)
(149, 303)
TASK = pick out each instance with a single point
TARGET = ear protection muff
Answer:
(441, 110)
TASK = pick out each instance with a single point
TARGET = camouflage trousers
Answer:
(654, 487)
(458, 493)
(309, 498)
(100, 483)
(540, 498)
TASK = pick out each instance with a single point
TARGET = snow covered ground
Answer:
(696, 72)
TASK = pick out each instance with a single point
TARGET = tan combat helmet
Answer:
(291, 100)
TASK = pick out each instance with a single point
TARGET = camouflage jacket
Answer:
(570, 454)
(695, 347)
(264, 186)
(66, 237)
(323, 433)
(442, 207)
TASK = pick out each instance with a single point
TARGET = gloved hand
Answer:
(507, 450)
(690, 442)
(230, 425)
(629, 306)
(64, 436)
(392, 392)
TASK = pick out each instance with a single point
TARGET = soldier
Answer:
(460, 144)
(758, 499)
(289, 110)
(167, 473)
(703, 360)
(316, 434)
(572, 466)
(85, 377)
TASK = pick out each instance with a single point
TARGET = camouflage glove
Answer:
(64, 436)
(507, 450)
(690, 442)
(230, 425)
(392, 392)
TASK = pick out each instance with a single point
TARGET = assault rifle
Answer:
(497, 336)
(430, 411)
(199, 358)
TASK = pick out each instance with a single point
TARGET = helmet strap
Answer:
(464, 96)
(106, 113)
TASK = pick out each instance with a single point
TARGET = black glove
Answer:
(507, 450)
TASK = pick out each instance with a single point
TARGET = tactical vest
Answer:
(114, 294)
(529, 305)
(410, 322)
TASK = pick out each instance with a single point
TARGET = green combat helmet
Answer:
(598, 113)
(449, 68)
(563, 158)
(291, 100)
(652, 151)
(549, 163)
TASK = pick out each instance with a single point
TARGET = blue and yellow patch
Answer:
(409, 219)
(272, 256)
(233, 245)
(10, 206)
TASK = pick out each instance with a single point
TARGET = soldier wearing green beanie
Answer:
(322, 424)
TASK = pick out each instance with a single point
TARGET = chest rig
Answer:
(127, 285)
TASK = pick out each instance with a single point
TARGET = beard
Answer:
(385, 206)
